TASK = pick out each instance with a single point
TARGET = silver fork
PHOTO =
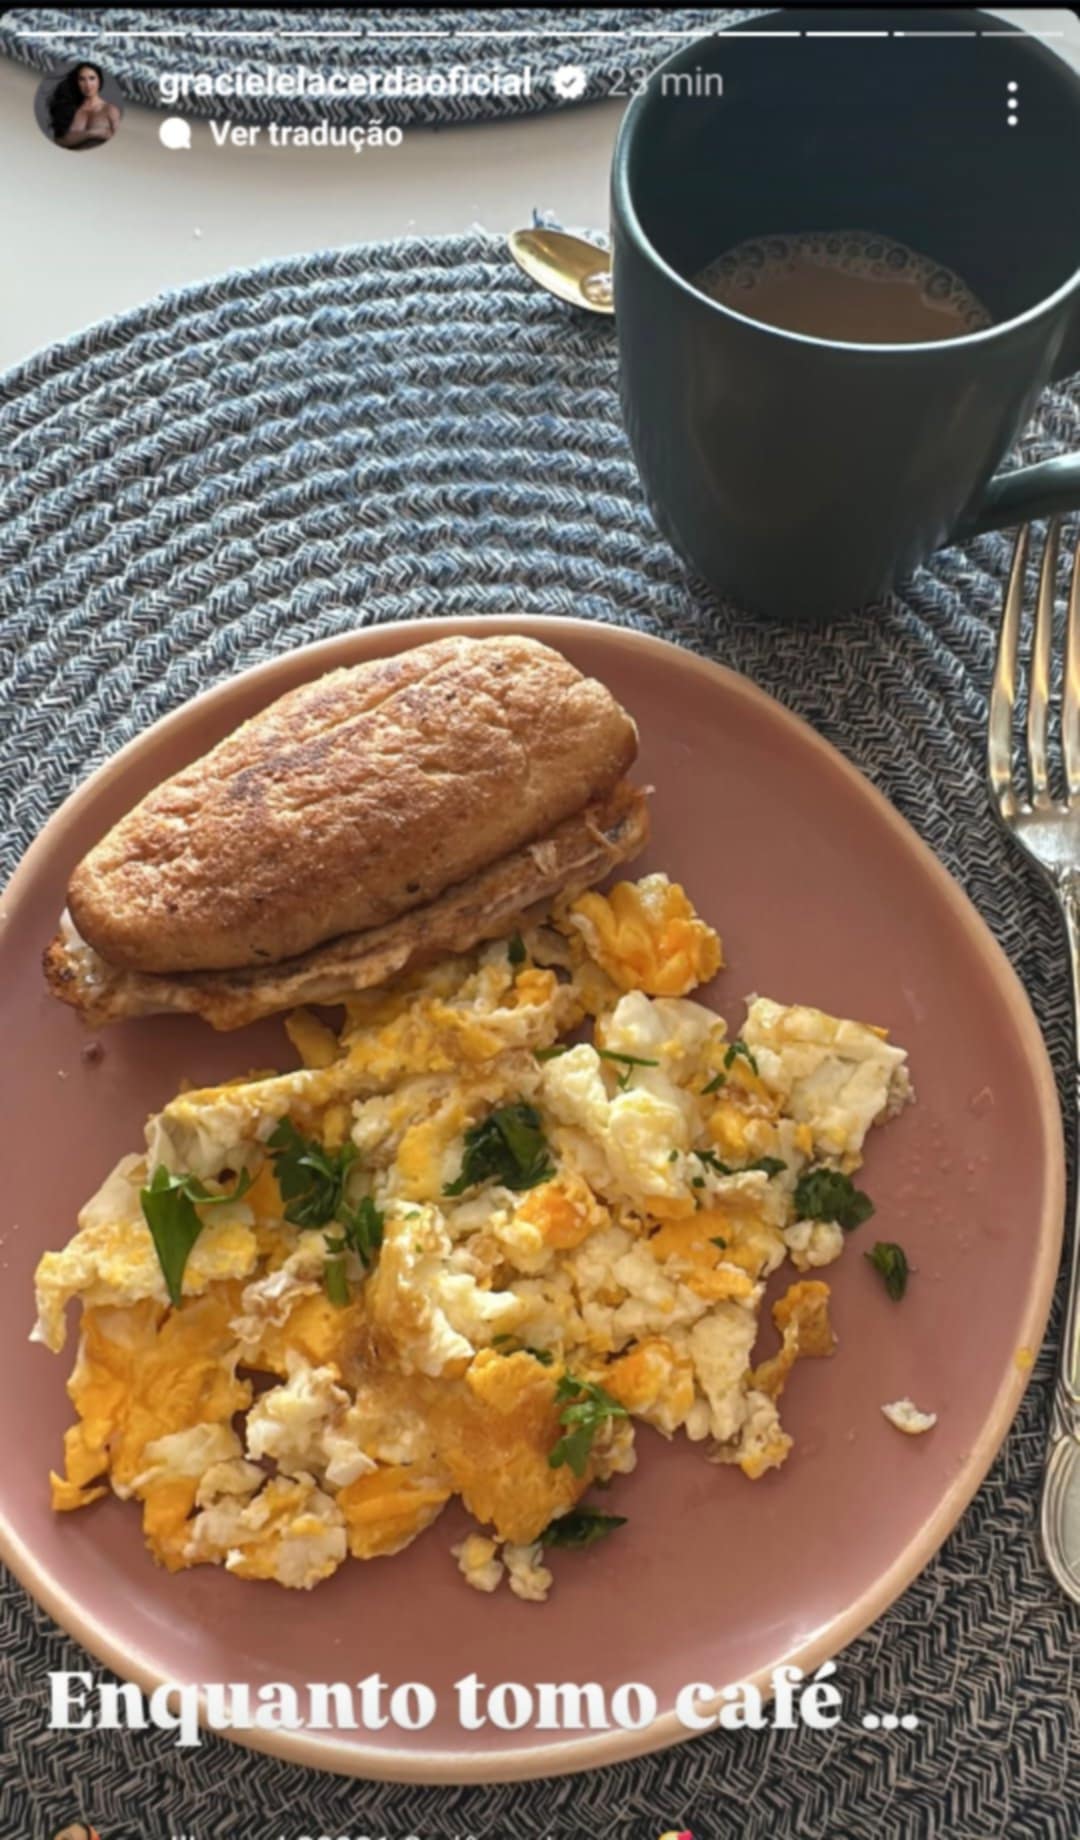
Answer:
(1048, 829)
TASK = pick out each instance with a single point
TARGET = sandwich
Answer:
(363, 825)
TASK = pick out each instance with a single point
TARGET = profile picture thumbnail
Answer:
(79, 106)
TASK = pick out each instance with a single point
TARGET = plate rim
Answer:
(449, 1766)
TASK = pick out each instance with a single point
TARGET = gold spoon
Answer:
(567, 266)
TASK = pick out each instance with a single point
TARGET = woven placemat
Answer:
(410, 429)
(601, 48)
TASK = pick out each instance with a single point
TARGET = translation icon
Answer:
(175, 133)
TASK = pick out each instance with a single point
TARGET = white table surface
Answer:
(86, 238)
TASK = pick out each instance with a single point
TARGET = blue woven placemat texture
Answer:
(406, 429)
(607, 45)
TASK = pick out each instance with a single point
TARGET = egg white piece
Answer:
(478, 1562)
(720, 1349)
(305, 1425)
(629, 1137)
(283, 1528)
(188, 1453)
(434, 1312)
(200, 1133)
(812, 1243)
(906, 1416)
(838, 1077)
(527, 1575)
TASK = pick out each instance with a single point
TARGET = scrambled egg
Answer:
(458, 1254)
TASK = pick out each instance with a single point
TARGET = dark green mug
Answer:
(805, 476)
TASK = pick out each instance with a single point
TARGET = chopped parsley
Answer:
(516, 952)
(718, 1080)
(170, 1211)
(712, 1161)
(628, 1060)
(312, 1183)
(363, 1229)
(508, 1146)
(584, 1410)
(311, 1179)
(771, 1165)
(737, 1047)
(717, 1241)
(337, 1284)
(825, 1194)
(581, 1527)
(890, 1260)
(363, 1235)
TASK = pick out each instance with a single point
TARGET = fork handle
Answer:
(1069, 1380)
(1061, 1490)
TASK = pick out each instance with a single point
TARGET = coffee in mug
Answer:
(851, 285)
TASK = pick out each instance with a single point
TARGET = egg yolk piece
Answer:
(802, 1317)
(749, 1240)
(167, 1511)
(324, 1333)
(139, 1378)
(533, 987)
(742, 1120)
(646, 936)
(495, 1432)
(654, 1381)
(564, 1212)
(315, 1043)
(702, 1265)
(386, 1509)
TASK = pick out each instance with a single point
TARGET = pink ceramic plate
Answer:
(822, 895)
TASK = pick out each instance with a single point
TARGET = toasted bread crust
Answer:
(349, 802)
(578, 853)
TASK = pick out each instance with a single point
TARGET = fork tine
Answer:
(1070, 716)
(1003, 689)
(1039, 683)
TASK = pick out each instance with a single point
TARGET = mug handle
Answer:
(1047, 489)
(1067, 361)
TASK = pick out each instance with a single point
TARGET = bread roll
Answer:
(487, 905)
(350, 802)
